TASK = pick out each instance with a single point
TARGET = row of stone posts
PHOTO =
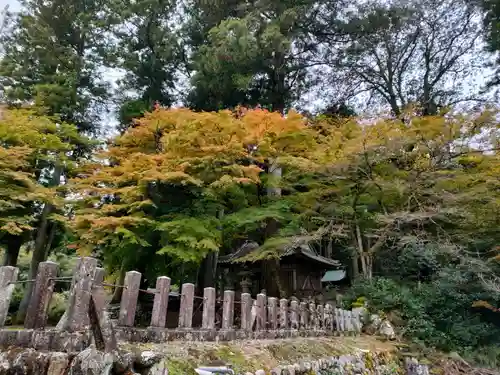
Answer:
(263, 313)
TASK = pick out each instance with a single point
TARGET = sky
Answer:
(311, 101)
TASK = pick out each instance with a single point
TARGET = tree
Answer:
(154, 201)
(409, 53)
(491, 19)
(52, 54)
(260, 55)
(30, 145)
(148, 51)
(390, 184)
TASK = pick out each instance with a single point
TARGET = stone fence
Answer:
(86, 317)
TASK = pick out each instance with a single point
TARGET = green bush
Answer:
(438, 313)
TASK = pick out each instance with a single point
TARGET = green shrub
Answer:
(437, 313)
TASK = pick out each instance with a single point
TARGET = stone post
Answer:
(228, 310)
(312, 316)
(261, 312)
(348, 320)
(246, 311)
(208, 320)
(79, 297)
(283, 313)
(273, 312)
(98, 290)
(343, 324)
(303, 315)
(160, 303)
(329, 317)
(338, 320)
(8, 276)
(320, 317)
(36, 315)
(294, 314)
(186, 309)
(128, 304)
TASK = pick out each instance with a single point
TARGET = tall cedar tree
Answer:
(260, 54)
(149, 51)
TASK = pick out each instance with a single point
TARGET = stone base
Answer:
(45, 340)
(56, 340)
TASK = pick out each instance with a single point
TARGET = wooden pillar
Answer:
(208, 321)
(36, 316)
(160, 303)
(8, 276)
(186, 309)
(128, 303)
(228, 310)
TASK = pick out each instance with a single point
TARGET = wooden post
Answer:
(160, 304)
(186, 309)
(228, 310)
(128, 304)
(79, 297)
(283, 313)
(208, 308)
(261, 312)
(8, 276)
(36, 316)
(273, 312)
(246, 311)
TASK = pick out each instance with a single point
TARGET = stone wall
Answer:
(223, 317)
(93, 362)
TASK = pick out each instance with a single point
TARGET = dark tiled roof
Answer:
(295, 248)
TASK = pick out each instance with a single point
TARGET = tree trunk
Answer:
(118, 291)
(39, 255)
(40, 248)
(12, 252)
(270, 268)
(355, 266)
(206, 274)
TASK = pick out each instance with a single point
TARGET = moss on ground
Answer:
(252, 355)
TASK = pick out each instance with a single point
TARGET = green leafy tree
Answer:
(31, 146)
(156, 206)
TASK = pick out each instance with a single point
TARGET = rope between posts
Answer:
(21, 281)
(115, 285)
